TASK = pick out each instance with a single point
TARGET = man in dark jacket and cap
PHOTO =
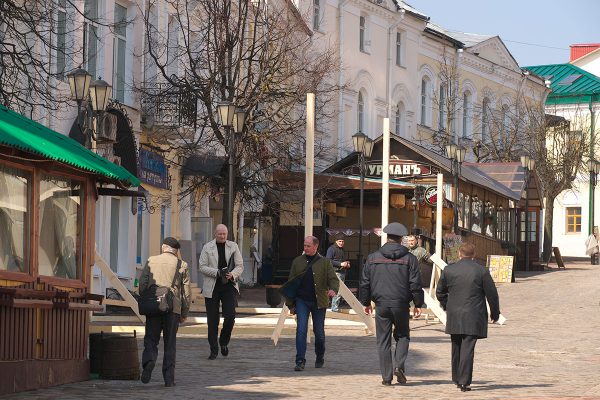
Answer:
(391, 278)
(462, 291)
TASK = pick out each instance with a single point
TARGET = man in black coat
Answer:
(391, 278)
(462, 291)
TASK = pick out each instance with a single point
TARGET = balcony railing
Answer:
(166, 106)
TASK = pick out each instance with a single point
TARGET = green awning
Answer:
(24, 134)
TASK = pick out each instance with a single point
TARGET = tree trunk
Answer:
(548, 219)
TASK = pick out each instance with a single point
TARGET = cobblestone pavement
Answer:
(549, 348)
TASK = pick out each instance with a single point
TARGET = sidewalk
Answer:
(549, 348)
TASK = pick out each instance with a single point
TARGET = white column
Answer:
(310, 164)
(385, 179)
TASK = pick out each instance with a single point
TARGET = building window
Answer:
(467, 114)
(61, 227)
(60, 55)
(476, 216)
(14, 219)
(115, 207)
(316, 14)
(505, 121)
(443, 123)
(425, 99)
(531, 229)
(399, 49)
(573, 219)
(361, 112)
(120, 47)
(172, 45)
(399, 119)
(91, 39)
(485, 120)
(363, 34)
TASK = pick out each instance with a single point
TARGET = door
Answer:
(531, 233)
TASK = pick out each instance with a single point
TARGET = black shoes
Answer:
(319, 363)
(464, 388)
(386, 383)
(212, 355)
(147, 372)
(300, 365)
(224, 351)
(170, 384)
(400, 376)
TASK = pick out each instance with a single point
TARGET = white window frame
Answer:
(119, 82)
(399, 119)
(316, 15)
(467, 117)
(486, 108)
(399, 48)
(60, 50)
(172, 45)
(364, 44)
(360, 112)
(92, 38)
(442, 122)
(425, 109)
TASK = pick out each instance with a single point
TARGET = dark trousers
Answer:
(463, 354)
(224, 295)
(303, 309)
(168, 324)
(385, 319)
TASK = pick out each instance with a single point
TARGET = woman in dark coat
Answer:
(462, 291)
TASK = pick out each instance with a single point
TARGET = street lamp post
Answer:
(364, 147)
(456, 154)
(96, 94)
(414, 202)
(528, 164)
(232, 119)
(594, 168)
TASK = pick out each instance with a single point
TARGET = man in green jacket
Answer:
(311, 282)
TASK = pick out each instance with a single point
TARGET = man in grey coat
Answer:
(162, 270)
(462, 291)
(221, 263)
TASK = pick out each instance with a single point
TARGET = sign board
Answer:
(501, 268)
(153, 170)
(400, 169)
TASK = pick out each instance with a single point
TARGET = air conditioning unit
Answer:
(115, 160)
(106, 128)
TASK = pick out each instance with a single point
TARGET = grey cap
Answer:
(396, 229)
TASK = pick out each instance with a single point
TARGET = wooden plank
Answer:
(117, 284)
(558, 257)
(285, 311)
(357, 307)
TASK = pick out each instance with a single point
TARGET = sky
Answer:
(536, 32)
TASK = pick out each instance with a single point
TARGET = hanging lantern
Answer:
(397, 200)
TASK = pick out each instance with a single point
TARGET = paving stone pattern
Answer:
(549, 348)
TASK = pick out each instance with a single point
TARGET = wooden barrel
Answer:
(114, 356)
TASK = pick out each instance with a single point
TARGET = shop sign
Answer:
(430, 197)
(400, 169)
(153, 170)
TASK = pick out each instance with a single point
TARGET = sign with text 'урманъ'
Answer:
(400, 169)
(501, 268)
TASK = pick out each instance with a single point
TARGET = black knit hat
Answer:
(172, 242)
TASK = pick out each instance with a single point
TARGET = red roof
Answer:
(580, 50)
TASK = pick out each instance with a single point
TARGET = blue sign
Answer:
(153, 170)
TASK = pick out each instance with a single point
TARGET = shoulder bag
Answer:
(158, 300)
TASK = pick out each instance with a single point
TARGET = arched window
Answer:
(443, 123)
(425, 101)
(505, 120)
(485, 120)
(399, 120)
(467, 127)
(361, 112)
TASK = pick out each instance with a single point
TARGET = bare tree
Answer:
(559, 152)
(256, 54)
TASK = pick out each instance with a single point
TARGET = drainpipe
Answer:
(341, 79)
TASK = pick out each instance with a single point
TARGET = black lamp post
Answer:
(414, 202)
(96, 93)
(528, 164)
(232, 119)
(364, 147)
(456, 154)
(594, 168)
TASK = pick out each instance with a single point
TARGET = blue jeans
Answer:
(335, 301)
(303, 308)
